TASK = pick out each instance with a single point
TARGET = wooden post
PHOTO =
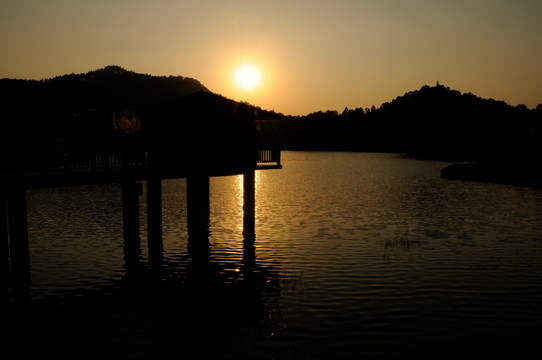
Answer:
(154, 220)
(249, 205)
(18, 235)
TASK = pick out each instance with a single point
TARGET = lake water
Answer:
(356, 255)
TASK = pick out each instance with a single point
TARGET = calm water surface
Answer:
(355, 254)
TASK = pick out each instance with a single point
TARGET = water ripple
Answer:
(355, 254)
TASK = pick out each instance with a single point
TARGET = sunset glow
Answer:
(316, 179)
(305, 57)
(248, 77)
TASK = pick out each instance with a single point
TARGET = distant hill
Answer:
(111, 86)
(76, 108)
(432, 122)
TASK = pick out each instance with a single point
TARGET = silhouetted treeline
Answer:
(432, 122)
(38, 118)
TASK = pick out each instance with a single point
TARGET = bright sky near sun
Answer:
(300, 56)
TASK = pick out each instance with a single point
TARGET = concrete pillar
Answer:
(249, 205)
(18, 235)
(154, 221)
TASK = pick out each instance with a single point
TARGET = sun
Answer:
(248, 77)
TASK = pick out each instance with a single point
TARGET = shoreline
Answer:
(513, 173)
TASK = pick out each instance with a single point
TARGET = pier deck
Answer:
(195, 137)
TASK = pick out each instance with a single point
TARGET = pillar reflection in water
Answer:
(198, 217)
(198, 221)
(130, 225)
(15, 228)
(249, 221)
(154, 224)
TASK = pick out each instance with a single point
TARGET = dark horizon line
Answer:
(119, 70)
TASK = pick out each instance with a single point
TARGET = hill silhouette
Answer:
(111, 86)
(432, 122)
(75, 109)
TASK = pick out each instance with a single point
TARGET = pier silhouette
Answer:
(196, 137)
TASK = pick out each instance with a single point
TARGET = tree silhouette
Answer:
(435, 122)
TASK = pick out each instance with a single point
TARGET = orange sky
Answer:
(314, 54)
